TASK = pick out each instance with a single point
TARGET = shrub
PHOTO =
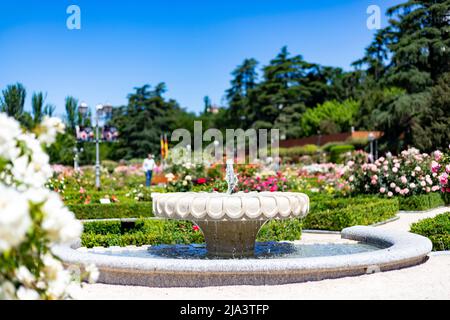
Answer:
(114, 210)
(437, 229)
(337, 214)
(336, 152)
(156, 231)
(297, 152)
(279, 230)
(421, 202)
(405, 175)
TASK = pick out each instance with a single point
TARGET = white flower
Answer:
(9, 131)
(14, 218)
(24, 276)
(59, 222)
(169, 177)
(27, 294)
(188, 178)
(185, 183)
(50, 127)
(7, 290)
(93, 273)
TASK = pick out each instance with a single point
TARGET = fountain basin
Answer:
(397, 250)
(230, 222)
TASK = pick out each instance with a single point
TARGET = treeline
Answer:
(401, 86)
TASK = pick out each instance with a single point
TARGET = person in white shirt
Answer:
(148, 166)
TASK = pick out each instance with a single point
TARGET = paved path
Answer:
(430, 280)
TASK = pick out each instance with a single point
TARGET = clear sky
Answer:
(191, 45)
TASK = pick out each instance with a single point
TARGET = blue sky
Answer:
(191, 45)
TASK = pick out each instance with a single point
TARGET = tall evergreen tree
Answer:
(72, 115)
(13, 101)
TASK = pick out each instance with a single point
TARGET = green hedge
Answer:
(337, 214)
(113, 210)
(336, 152)
(437, 229)
(421, 202)
(155, 231)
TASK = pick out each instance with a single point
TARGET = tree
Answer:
(412, 54)
(13, 101)
(240, 113)
(329, 117)
(72, 116)
(141, 123)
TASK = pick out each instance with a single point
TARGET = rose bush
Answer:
(441, 167)
(408, 174)
(32, 217)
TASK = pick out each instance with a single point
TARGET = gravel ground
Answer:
(430, 280)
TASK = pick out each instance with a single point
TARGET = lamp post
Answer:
(371, 138)
(76, 158)
(101, 111)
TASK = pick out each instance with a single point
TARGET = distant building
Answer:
(214, 109)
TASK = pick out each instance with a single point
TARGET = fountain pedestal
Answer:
(230, 222)
(231, 239)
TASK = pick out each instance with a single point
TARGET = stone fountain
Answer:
(230, 221)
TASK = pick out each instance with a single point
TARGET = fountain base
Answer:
(230, 239)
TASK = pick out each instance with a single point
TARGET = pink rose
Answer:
(382, 190)
(437, 155)
(443, 179)
(390, 194)
(403, 179)
(435, 167)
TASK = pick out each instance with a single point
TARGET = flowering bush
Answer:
(408, 174)
(140, 193)
(32, 218)
(441, 167)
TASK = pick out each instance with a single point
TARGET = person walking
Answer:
(148, 166)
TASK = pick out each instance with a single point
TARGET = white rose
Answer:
(15, 219)
(24, 276)
(59, 222)
(27, 294)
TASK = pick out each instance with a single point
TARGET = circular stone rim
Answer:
(401, 249)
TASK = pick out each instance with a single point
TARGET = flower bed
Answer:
(437, 229)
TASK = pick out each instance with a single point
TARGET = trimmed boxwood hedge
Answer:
(337, 214)
(158, 231)
(437, 229)
(421, 202)
(327, 214)
(113, 210)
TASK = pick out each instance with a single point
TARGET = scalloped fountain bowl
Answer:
(230, 222)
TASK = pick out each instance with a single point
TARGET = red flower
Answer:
(195, 228)
(201, 180)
